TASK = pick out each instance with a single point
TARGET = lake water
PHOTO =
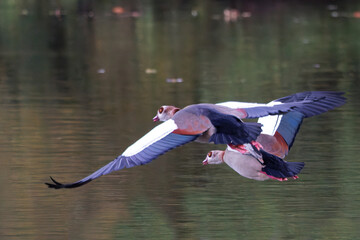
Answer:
(81, 80)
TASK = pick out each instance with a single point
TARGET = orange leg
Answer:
(275, 178)
(257, 145)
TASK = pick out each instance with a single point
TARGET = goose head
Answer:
(165, 113)
(214, 157)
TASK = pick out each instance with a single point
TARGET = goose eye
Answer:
(161, 110)
(209, 154)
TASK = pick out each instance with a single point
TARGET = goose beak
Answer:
(205, 162)
(156, 118)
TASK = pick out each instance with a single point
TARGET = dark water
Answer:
(81, 80)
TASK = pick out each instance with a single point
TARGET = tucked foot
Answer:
(295, 177)
(275, 178)
(257, 145)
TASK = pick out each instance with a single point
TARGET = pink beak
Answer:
(156, 118)
(205, 162)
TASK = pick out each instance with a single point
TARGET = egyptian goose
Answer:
(188, 124)
(258, 167)
(277, 137)
(220, 124)
(261, 163)
(277, 134)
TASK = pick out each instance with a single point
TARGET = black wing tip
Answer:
(312, 95)
(57, 185)
(315, 102)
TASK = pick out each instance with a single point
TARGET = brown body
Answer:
(191, 120)
(245, 164)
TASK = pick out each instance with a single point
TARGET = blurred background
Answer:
(81, 80)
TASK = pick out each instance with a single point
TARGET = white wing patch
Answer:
(270, 124)
(151, 137)
(233, 104)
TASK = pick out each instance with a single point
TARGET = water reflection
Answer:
(60, 116)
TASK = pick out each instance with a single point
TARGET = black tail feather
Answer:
(275, 166)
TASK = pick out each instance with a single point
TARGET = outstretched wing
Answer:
(155, 143)
(279, 132)
(308, 103)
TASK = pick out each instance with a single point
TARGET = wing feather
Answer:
(155, 143)
(308, 103)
